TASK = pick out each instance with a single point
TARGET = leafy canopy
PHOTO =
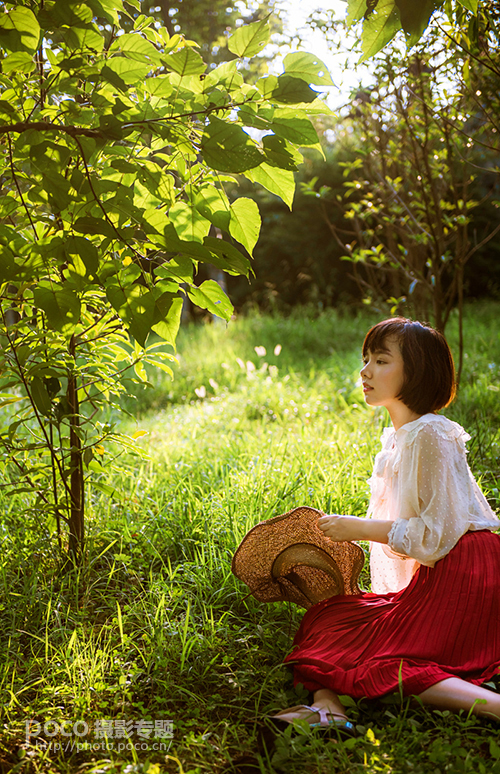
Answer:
(382, 19)
(118, 147)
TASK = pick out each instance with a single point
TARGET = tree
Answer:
(404, 217)
(116, 151)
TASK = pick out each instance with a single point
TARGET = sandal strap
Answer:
(325, 714)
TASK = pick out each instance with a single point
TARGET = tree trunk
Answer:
(165, 6)
(76, 519)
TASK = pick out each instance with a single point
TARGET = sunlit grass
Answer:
(154, 625)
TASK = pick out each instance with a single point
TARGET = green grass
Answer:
(154, 625)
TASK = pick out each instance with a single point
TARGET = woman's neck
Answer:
(400, 414)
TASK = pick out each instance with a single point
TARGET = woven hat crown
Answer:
(289, 558)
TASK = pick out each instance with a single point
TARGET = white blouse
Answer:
(421, 481)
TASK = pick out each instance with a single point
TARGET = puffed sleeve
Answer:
(433, 497)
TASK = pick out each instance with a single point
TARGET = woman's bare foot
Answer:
(328, 700)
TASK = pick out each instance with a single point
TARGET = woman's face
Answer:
(383, 374)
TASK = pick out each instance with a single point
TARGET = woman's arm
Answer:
(353, 528)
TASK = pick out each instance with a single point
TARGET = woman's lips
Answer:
(367, 388)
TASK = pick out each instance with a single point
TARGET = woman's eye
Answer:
(380, 362)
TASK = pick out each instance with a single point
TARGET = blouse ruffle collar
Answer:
(445, 427)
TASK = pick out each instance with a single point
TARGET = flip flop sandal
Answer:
(327, 720)
(336, 725)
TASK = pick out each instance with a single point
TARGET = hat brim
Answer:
(288, 558)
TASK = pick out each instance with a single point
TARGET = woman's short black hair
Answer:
(429, 371)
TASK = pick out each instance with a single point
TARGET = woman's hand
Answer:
(342, 527)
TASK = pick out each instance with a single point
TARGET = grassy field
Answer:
(154, 627)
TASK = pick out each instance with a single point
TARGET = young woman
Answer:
(432, 627)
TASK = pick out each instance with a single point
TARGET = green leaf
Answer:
(8, 204)
(228, 148)
(466, 73)
(19, 30)
(108, 9)
(111, 127)
(20, 61)
(106, 489)
(415, 17)
(123, 72)
(308, 68)
(40, 396)
(162, 234)
(209, 295)
(380, 28)
(298, 130)
(225, 75)
(185, 62)
(84, 36)
(188, 222)
(226, 257)
(356, 10)
(266, 85)
(8, 266)
(179, 268)
(8, 400)
(47, 155)
(281, 153)
(66, 14)
(61, 306)
(291, 90)
(136, 307)
(90, 225)
(278, 181)
(167, 318)
(471, 5)
(213, 204)
(159, 86)
(248, 115)
(249, 39)
(85, 250)
(8, 110)
(158, 182)
(245, 223)
(134, 46)
(58, 189)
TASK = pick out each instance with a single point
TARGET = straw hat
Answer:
(289, 558)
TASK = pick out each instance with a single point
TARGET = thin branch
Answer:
(75, 131)
(24, 474)
(82, 342)
(190, 113)
(47, 126)
(494, 70)
(19, 190)
(35, 410)
(451, 123)
(100, 204)
(483, 242)
(403, 204)
(86, 385)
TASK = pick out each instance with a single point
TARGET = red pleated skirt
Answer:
(446, 623)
